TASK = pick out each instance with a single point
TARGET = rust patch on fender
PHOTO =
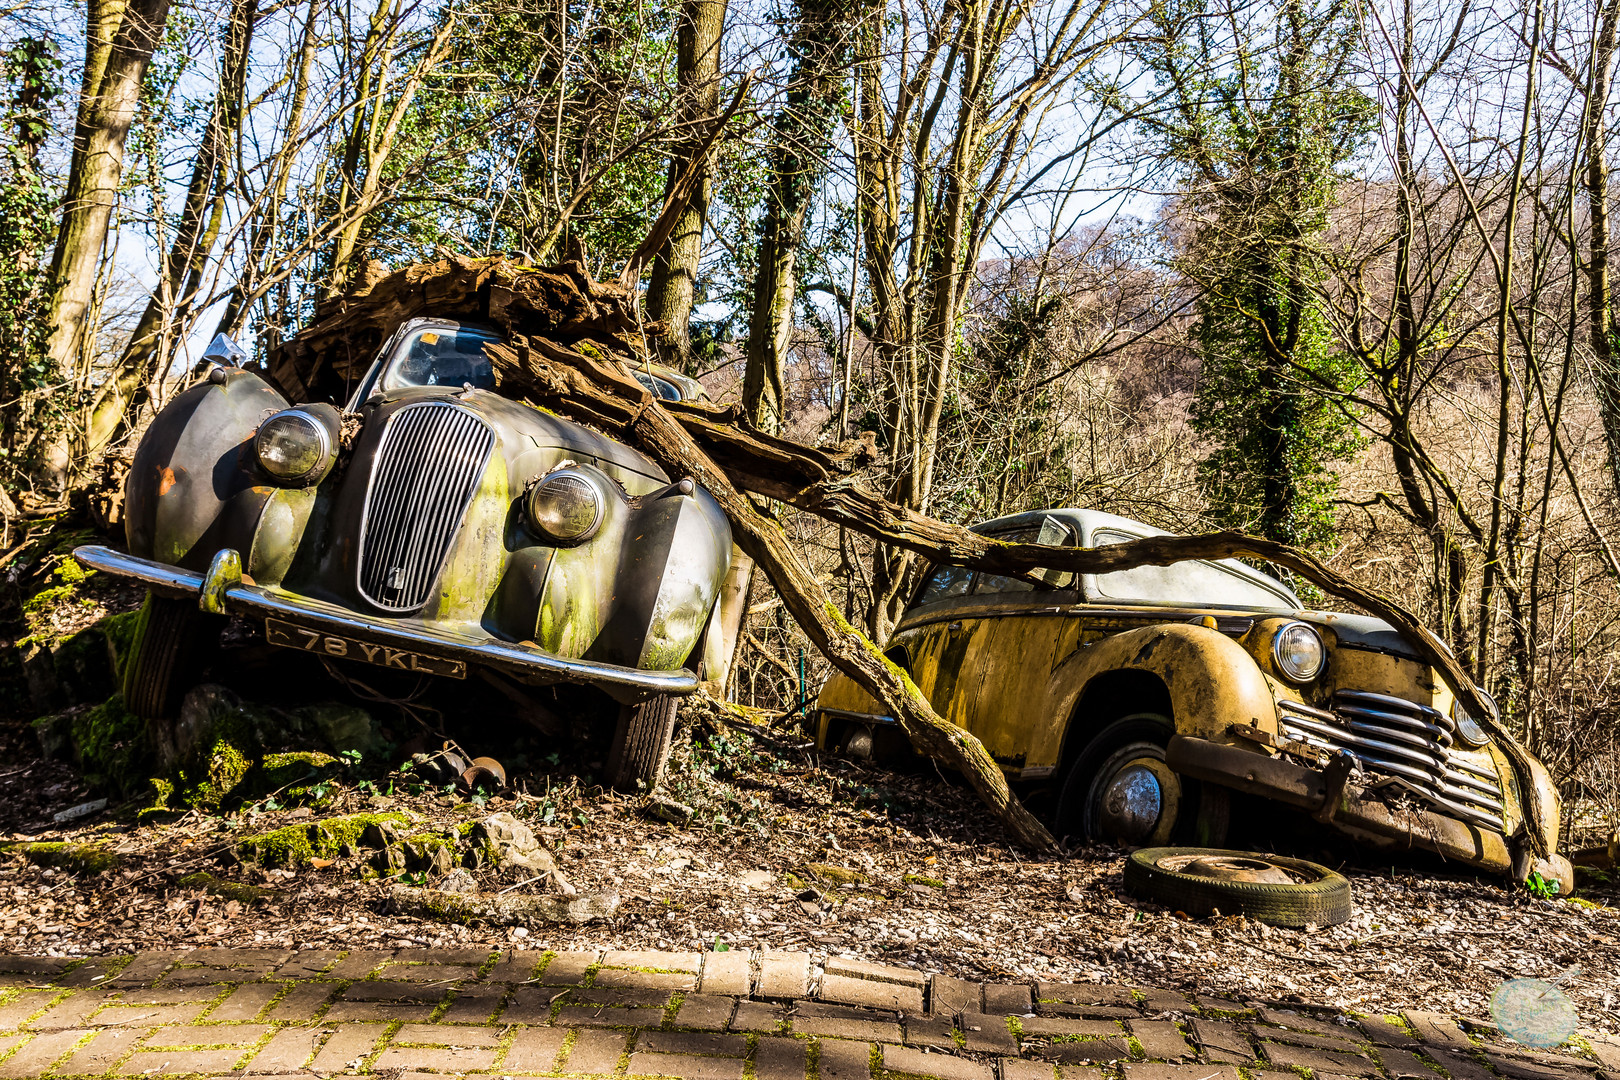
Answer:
(166, 480)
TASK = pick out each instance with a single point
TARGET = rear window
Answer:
(1194, 584)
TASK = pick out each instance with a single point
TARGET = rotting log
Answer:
(602, 391)
(574, 342)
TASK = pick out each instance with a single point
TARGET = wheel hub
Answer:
(1132, 804)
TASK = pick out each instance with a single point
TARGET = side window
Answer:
(944, 583)
(1049, 531)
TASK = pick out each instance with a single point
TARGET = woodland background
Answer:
(1335, 272)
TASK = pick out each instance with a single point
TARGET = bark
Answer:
(671, 290)
(120, 40)
(1600, 312)
(800, 141)
(121, 396)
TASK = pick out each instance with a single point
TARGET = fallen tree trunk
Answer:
(603, 391)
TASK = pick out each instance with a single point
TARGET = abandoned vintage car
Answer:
(431, 526)
(1143, 698)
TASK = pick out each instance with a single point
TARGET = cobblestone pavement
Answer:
(702, 1016)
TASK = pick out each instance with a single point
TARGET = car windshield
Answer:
(441, 356)
(1188, 584)
(444, 355)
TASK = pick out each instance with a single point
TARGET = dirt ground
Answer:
(784, 849)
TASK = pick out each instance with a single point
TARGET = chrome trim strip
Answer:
(257, 601)
(1387, 701)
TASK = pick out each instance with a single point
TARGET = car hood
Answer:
(1362, 632)
(523, 427)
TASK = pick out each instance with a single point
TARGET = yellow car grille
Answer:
(1408, 743)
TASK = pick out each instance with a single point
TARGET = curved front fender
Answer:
(1212, 682)
(193, 486)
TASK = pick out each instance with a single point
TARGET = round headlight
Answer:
(1469, 731)
(565, 507)
(293, 446)
(1299, 652)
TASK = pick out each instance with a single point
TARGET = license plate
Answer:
(277, 632)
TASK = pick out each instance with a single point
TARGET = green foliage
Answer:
(1264, 119)
(112, 747)
(1538, 886)
(28, 200)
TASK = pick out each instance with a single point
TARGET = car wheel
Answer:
(167, 652)
(1267, 888)
(1121, 791)
(641, 743)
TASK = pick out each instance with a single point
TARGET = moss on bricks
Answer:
(74, 858)
(296, 845)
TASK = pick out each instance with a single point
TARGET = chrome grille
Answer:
(427, 467)
(1409, 742)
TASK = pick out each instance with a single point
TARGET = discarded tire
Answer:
(1268, 888)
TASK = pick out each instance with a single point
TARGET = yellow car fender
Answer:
(1212, 683)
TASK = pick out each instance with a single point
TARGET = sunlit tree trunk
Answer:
(120, 40)
(151, 347)
(801, 136)
(672, 286)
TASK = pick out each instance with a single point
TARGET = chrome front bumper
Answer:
(1332, 800)
(238, 597)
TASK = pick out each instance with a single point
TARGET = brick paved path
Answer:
(702, 1016)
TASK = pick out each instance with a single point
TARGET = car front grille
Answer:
(1402, 739)
(427, 467)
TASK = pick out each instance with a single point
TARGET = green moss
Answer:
(296, 845)
(841, 875)
(120, 631)
(918, 879)
(74, 858)
(231, 890)
(112, 747)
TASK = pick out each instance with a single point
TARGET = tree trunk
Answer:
(111, 91)
(671, 289)
(150, 349)
(1600, 313)
(801, 137)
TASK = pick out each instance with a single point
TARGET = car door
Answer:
(1027, 627)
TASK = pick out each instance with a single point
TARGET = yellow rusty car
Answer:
(1143, 698)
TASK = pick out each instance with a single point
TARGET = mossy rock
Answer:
(74, 858)
(296, 845)
(244, 894)
(111, 747)
(120, 634)
(918, 879)
(298, 777)
(840, 875)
